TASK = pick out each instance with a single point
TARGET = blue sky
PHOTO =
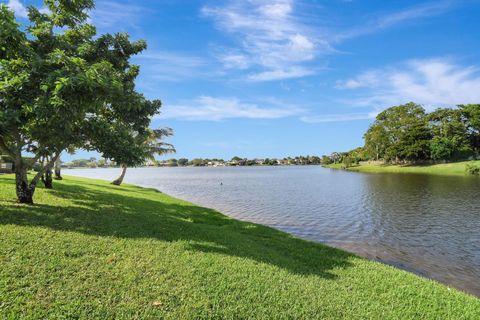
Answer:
(276, 78)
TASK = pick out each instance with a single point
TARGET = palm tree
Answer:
(153, 145)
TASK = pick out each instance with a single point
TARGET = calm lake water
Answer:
(422, 223)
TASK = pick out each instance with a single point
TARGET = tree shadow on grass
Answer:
(102, 210)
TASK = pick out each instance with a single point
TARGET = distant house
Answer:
(150, 163)
(6, 167)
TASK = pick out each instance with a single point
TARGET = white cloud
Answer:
(235, 61)
(273, 43)
(432, 82)
(416, 12)
(302, 44)
(216, 109)
(294, 72)
(115, 14)
(279, 9)
(274, 40)
(19, 9)
(339, 117)
(420, 11)
(169, 66)
(367, 79)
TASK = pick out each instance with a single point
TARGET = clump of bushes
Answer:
(473, 169)
(349, 161)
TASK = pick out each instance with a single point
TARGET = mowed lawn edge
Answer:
(452, 168)
(91, 250)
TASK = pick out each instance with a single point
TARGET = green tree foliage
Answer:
(173, 163)
(471, 114)
(314, 160)
(81, 163)
(197, 162)
(150, 144)
(336, 157)
(63, 87)
(449, 134)
(182, 162)
(407, 133)
(473, 169)
(376, 141)
(326, 160)
(269, 162)
(402, 131)
(353, 157)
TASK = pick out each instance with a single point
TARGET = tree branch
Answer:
(40, 173)
(34, 159)
(6, 149)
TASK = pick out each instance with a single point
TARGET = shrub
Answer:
(348, 162)
(473, 169)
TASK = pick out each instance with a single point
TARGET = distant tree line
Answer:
(408, 134)
(199, 162)
(237, 161)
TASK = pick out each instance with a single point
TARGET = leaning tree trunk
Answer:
(47, 179)
(58, 169)
(24, 190)
(119, 181)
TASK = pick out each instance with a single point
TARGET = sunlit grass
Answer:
(454, 168)
(94, 251)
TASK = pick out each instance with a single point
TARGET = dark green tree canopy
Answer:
(402, 132)
(449, 134)
(63, 87)
(471, 115)
(406, 133)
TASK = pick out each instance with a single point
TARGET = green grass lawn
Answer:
(454, 168)
(93, 251)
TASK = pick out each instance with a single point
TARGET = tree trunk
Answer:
(58, 169)
(119, 181)
(24, 190)
(47, 179)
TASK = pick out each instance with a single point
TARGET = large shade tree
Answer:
(450, 137)
(471, 116)
(407, 133)
(64, 87)
(401, 133)
(376, 141)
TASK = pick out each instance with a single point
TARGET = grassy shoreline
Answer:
(91, 250)
(453, 168)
